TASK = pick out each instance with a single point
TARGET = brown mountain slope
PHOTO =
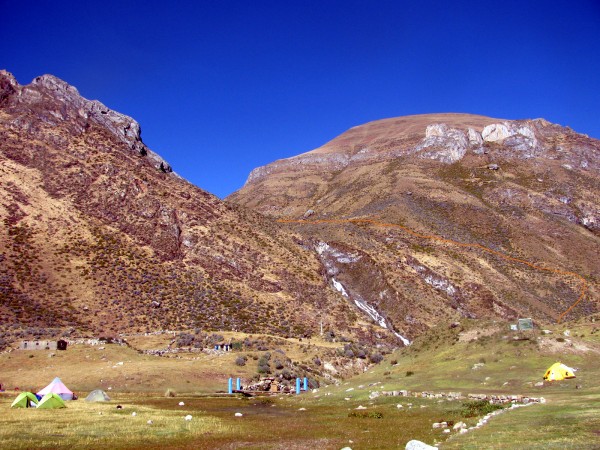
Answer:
(101, 236)
(527, 190)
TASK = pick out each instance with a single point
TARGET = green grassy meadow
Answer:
(475, 357)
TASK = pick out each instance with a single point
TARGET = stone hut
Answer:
(38, 345)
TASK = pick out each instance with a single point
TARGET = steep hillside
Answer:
(459, 216)
(100, 236)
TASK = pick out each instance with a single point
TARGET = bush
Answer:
(241, 360)
(263, 365)
(376, 358)
(409, 373)
(478, 408)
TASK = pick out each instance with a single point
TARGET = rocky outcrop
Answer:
(443, 144)
(55, 101)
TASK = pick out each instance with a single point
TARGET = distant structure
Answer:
(525, 324)
(39, 345)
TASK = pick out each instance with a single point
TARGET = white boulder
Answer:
(495, 132)
(418, 445)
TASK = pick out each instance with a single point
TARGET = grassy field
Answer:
(472, 358)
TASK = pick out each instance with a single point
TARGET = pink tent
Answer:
(59, 388)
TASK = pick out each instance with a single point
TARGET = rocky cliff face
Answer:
(477, 202)
(100, 235)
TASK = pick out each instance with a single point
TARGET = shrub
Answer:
(478, 408)
(241, 360)
(376, 358)
(263, 365)
(409, 373)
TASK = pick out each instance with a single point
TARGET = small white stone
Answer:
(188, 417)
(149, 422)
(181, 404)
(238, 414)
(134, 414)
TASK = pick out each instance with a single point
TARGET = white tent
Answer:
(59, 388)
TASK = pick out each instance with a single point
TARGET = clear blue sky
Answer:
(221, 87)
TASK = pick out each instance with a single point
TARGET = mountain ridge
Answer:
(101, 237)
(523, 188)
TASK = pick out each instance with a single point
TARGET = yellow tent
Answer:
(558, 371)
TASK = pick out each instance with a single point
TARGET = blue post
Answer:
(230, 386)
(237, 384)
(297, 385)
(305, 384)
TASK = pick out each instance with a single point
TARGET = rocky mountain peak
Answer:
(56, 101)
(446, 138)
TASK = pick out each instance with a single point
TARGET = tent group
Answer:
(54, 396)
(29, 400)
(51, 397)
(558, 371)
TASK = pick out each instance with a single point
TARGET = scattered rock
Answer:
(149, 422)
(188, 417)
(181, 404)
(493, 166)
(418, 445)
(361, 407)
(238, 414)
(459, 425)
(134, 414)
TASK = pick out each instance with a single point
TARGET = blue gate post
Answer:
(297, 385)
(230, 386)
(305, 384)
(237, 384)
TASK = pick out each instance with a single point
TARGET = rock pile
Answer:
(492, 398)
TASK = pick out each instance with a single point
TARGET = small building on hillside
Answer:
(38, 345)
